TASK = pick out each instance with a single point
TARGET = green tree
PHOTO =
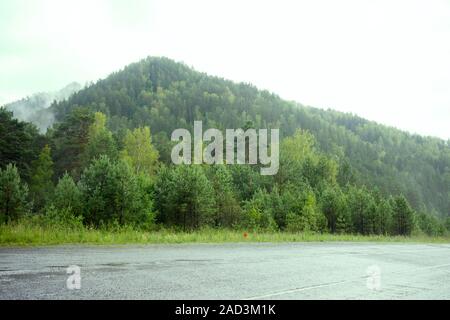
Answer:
(447, 223)
(227, 207)
(184, 197)
(67, 196)
(343, 222)
(112, 193)
(20, 143)
(41, 187)
(139, 151)
(13, 194)
(100, 140)
(362, 207)
(246, 181)
(301, 161)
(295, 151)
(69, 138)
(309, 218)
(166, 95)
(384, 217)
(257, 214)
(333, 205)
(429, 224)
(402, 216)
(143, 205)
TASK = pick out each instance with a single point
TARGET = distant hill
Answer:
(34, 108)
(166, 95)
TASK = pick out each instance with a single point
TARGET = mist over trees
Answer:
(34, 108)
(107, 161)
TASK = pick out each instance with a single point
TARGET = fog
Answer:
(35, 108)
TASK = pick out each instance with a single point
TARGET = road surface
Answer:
(229, 271)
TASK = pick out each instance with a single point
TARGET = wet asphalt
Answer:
(228, 271)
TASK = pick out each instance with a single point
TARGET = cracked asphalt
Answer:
(230, 271)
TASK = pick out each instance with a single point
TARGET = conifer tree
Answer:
(42, 179)
(13, 194)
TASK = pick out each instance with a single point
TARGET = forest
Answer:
(106, 162)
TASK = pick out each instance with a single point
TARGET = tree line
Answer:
(84, 173)
(165, 95)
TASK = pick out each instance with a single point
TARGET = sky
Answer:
(384, 60)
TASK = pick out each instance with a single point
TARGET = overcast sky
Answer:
(385, 60)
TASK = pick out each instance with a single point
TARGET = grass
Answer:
(32, 235)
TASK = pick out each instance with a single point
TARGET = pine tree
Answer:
(184, 197)
(19, 143)
(227, 207)
(332, 203)
(67, 195)
(13, 194)
(342, 223)
(41, 180)
(402, 216)
(384, 217)
(361, 206)
(69, 138)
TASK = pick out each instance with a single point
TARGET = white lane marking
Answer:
(279, 293)
(287, 291)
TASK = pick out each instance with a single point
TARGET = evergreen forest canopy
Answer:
(106, 161)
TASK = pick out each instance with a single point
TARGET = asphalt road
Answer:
(230, 271)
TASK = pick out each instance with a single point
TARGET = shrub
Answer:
(61, 218)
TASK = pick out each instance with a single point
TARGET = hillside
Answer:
(165, 95)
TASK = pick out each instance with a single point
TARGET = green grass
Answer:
(32, 235)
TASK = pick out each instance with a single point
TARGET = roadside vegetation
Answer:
(100, 175)
(127, 195)
(30, 232)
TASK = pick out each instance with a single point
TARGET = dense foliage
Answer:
(101, 163)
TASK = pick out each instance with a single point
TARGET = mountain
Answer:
(166, 95)
(34, 108)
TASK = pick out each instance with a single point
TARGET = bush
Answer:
(256, 219)
(296, 223)
(61, 218)
(430, 225)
